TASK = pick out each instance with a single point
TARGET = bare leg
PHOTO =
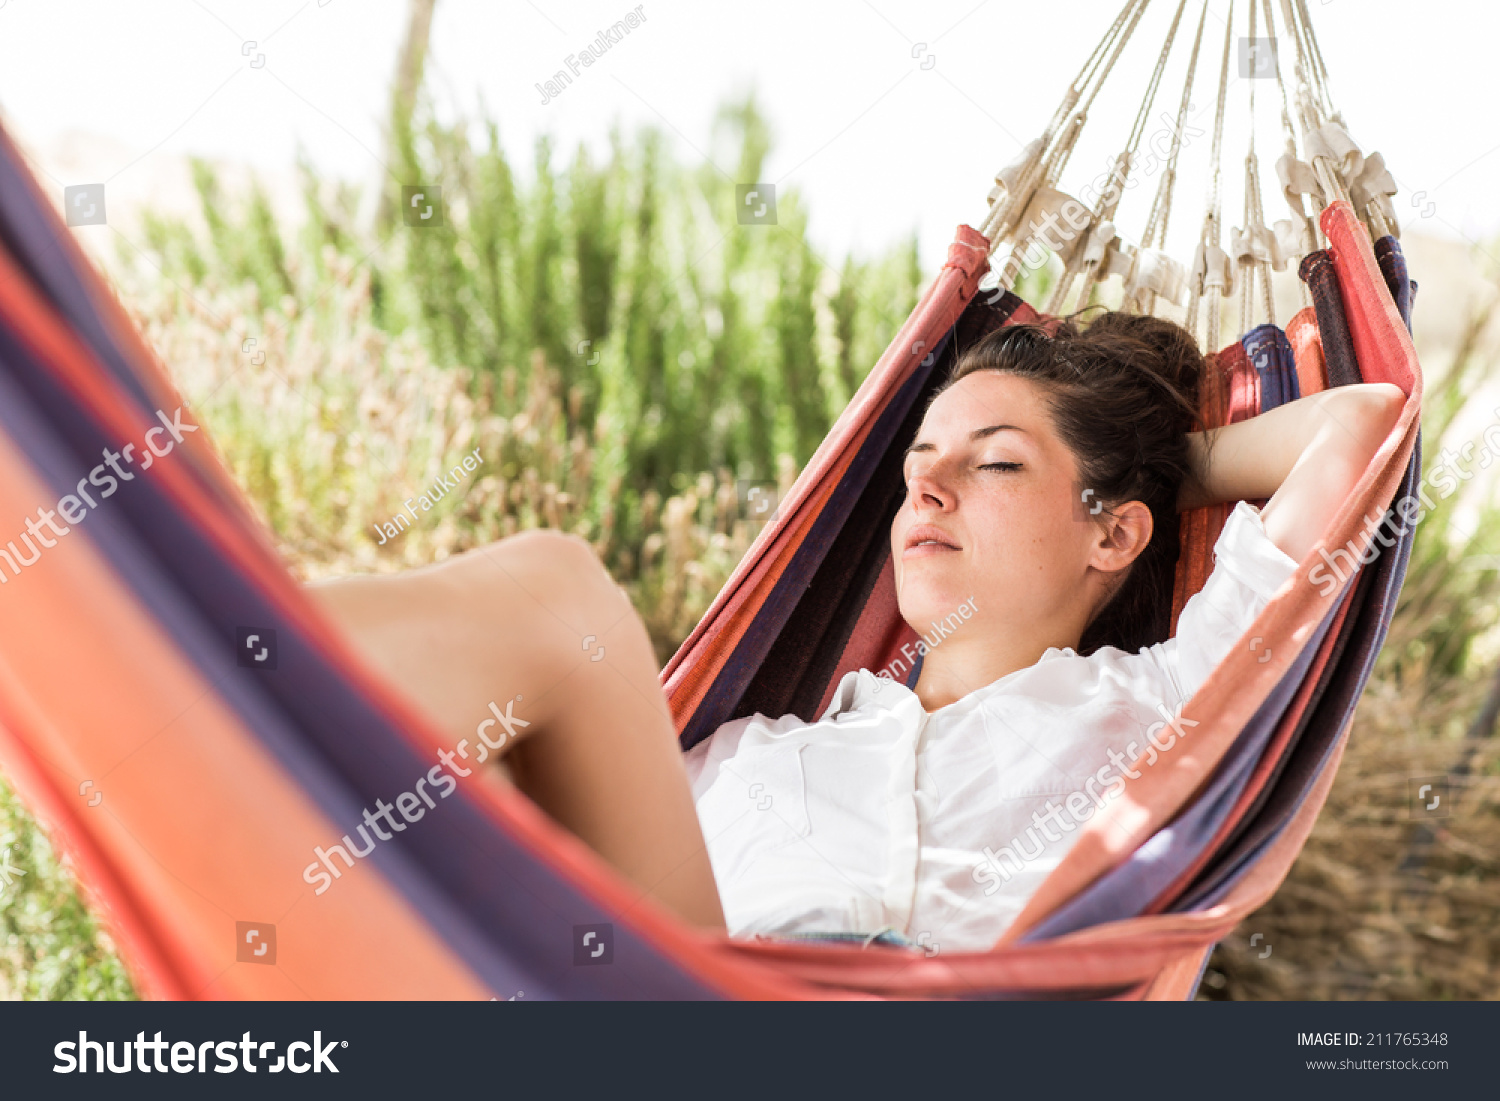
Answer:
(537, 616)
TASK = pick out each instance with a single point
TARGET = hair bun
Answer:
(1152, 345)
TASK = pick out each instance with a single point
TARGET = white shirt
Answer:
(940, 826)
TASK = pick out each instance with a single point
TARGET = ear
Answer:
(1124, 532)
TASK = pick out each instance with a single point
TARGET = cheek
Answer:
(1033, 532)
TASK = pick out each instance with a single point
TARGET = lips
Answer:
(927, 539)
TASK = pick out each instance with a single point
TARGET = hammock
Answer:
(190, 791)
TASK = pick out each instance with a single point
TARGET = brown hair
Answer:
(1123, 394)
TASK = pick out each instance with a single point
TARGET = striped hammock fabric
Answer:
(191, 791)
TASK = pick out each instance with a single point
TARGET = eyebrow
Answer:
(977, 434)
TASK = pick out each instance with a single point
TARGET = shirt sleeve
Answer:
(1248, 570)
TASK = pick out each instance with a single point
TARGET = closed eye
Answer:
(1001, 466)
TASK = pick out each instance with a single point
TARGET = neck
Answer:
(957, 667)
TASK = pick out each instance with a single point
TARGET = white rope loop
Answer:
(1144, 283)
(1005, 211)
(1026, 205)
(1104, 254)
(1212, 270)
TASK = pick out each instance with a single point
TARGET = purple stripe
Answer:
(26, 231)
(1270, 353)
(1392, 263)
(1317, 271)
(508, 915)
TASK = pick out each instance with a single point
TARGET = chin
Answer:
(922, 603)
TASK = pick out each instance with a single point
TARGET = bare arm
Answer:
(1306, 456)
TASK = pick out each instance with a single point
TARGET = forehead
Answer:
(984, 398)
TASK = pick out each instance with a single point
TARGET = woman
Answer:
(1039, 526)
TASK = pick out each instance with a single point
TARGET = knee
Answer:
(546, 552)
(535, 583)
(555, 568)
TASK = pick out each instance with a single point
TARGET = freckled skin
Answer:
(1025, 556)
(1001, 513)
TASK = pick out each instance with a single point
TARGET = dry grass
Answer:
(1369, 911)
(338, 425)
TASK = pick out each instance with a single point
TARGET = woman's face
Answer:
(993, 515)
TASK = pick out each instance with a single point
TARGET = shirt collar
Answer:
(862, 690)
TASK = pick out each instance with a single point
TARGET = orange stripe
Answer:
(198, 826)
(1307, 352)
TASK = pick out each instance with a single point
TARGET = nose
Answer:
(928, 491)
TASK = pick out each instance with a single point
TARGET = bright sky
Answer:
(879, 144)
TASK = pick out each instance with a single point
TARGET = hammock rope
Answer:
(1043, 159)
(1027, 198)
(1091, 260)
(1139, 296)
(1301, 234)
(1211, 270)
(1254, 246)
